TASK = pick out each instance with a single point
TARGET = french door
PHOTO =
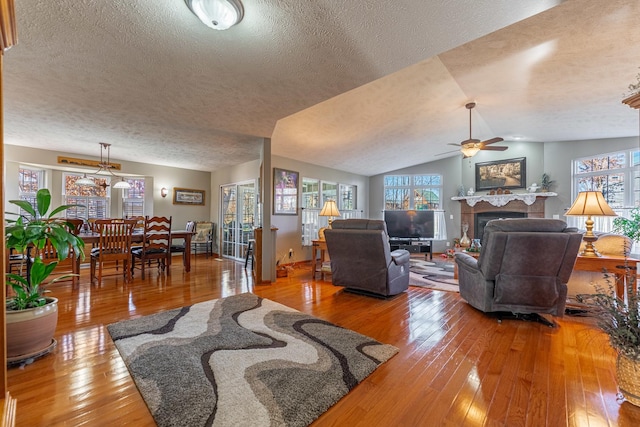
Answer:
(237, 217)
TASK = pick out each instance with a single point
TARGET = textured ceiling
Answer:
(381, 83)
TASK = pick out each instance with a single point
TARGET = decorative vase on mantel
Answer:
(465, 241)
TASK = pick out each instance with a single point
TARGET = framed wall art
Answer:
(187, 196)
(285, 192)
(510, 173)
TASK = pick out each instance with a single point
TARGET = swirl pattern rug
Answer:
(243, 360)
(433, 274)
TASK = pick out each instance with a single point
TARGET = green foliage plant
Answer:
(629, 227)
(28, 235)
(546, 181)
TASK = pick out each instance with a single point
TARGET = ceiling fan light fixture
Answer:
(217, 14)
(470, 151)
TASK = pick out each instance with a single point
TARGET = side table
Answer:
(318, 245)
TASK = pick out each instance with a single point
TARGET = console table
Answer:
(612, 264)
(413, 246)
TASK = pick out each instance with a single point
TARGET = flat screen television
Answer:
(410, 224)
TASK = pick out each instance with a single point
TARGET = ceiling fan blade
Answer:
(492, 140)
(447, 152)
(494, 148)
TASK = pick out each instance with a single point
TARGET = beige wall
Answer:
(156, 177)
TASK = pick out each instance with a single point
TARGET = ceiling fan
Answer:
(470, 147)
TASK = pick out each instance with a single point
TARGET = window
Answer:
(310, 193)
(133, 198)
(419, 192)
(347, 199)
(329, 191)
(617, 175)
(94, 200)
(29, 182)
(314, 194)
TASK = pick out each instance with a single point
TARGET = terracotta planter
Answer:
(30, 332)
(628, 373)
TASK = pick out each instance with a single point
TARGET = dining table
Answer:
(136, 236)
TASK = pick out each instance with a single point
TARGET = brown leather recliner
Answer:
(523, 268)
(361, 259)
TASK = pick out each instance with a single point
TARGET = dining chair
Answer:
(114, 245)
(156, 244)
(49, 253)
(204, 236)
(180, 248)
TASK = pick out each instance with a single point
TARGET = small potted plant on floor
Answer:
(32, 317)
(619, 317)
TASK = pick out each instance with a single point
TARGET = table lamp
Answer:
(329, 209)
(590, 203)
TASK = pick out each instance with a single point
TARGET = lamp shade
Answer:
(590, 203)
(85, 181)
(470, 151)
(330, 209)
(217, 14)
(122, 184)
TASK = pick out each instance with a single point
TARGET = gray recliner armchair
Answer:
(523, 267)
(361, 259)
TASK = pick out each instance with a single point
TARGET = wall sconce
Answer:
(164, 192)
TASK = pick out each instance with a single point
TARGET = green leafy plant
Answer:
(546, 182)
(28, 235)
(629, 227)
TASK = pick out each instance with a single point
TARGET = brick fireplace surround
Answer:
(468, 213)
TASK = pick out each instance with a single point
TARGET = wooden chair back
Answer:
(157, 234)
(156, 243)
(114, 245)
(115, 238)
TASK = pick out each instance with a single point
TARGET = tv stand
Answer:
(415, 246)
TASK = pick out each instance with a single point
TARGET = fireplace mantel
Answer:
(500, 200)
(532, 204)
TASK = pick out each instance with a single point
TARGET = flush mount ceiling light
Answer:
(105, 166)
(217, 14)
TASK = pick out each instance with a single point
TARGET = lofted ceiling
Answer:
(361, 86)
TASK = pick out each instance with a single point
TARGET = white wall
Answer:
(156, 178)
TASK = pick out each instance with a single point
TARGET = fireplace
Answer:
(483, 218)
(512, 206)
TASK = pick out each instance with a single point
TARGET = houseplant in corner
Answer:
(619, 318)
(32, 317)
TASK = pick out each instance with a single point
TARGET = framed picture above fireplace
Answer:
(510, 173)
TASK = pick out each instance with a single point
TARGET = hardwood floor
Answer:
(456, 366)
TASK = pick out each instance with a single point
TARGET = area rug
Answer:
(433, 274)
(243, 360)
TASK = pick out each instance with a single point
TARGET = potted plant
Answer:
(546, 182)
(629, 227)
(32, 317)
(619, 317)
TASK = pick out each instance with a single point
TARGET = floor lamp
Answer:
(590, 203)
